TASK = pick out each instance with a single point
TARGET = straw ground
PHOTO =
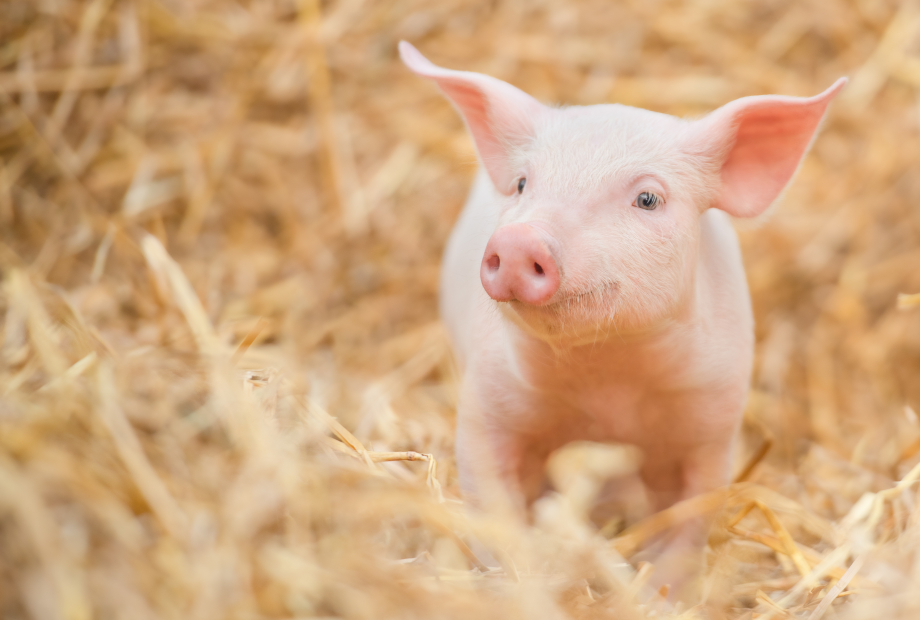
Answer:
(225, 392)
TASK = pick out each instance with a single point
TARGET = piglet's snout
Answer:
(518, 265)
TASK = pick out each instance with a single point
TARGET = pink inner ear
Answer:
(489, 130)
(498, 115)
(767, 151)
(771, 136)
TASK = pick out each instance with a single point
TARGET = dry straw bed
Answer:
(225, 392)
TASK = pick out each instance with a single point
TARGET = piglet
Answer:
(593, 286)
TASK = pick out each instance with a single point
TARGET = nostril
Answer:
(494, 262)
(538, 268)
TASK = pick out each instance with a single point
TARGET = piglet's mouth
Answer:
(602, 295)
(596, 301)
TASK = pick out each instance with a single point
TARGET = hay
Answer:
(224, 389)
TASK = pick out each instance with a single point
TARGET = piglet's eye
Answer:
(647, 201)
(521, 185)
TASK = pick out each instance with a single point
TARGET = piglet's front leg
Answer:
(679, 558)
(499, 469)
(499, 475)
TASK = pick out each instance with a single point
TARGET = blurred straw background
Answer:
(225, 392)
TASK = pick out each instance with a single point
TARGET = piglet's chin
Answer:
(573, 321)
(537, 321)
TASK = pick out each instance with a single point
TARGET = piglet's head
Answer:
(599, 228)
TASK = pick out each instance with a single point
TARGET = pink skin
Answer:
(640, 330)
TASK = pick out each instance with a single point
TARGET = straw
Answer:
(226, 389)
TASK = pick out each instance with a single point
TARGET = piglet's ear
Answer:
(499, 116)
(761, 141)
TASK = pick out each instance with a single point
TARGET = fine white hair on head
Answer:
(585, 148)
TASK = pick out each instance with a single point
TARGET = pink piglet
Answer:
(594, 290)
